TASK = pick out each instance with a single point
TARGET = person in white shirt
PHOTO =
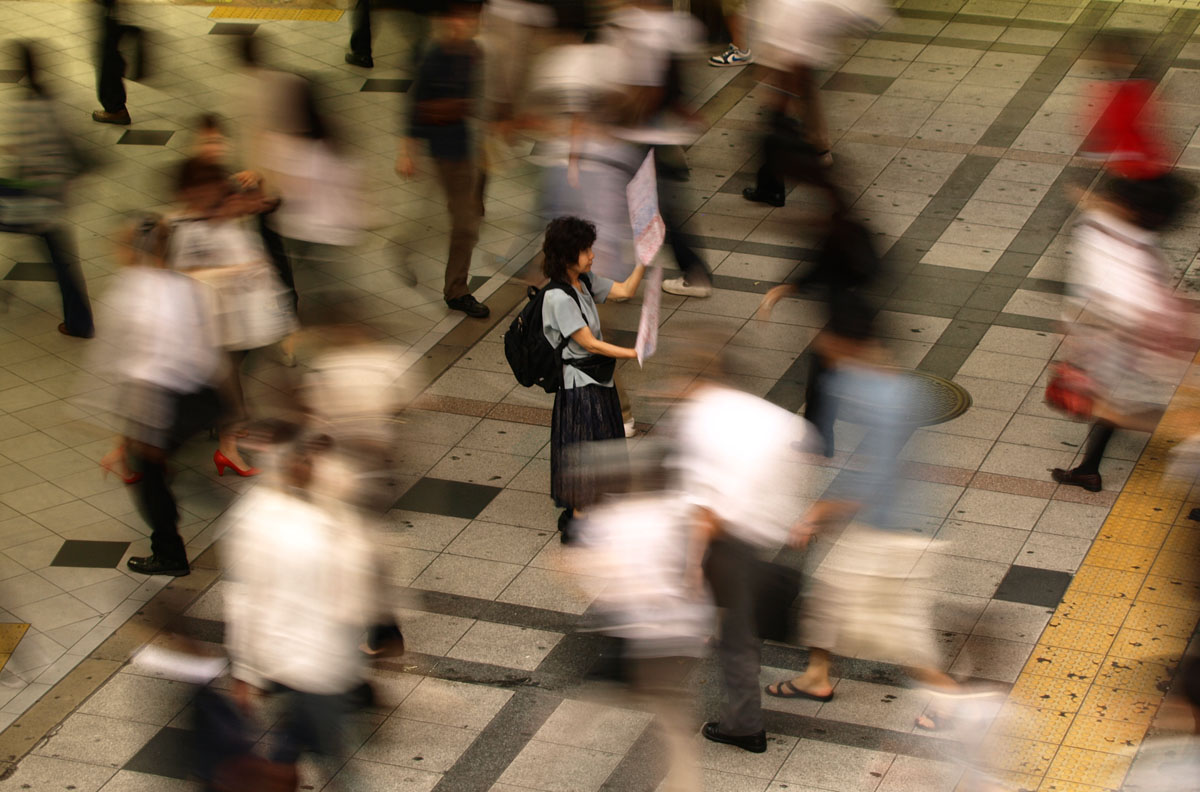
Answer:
(302, 587)
(740, 460)
(1128, 319)
(167, 368)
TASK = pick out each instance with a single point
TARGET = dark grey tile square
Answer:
(94, 555)
(858, 83)
(944, 361)
(475, 281)
(990, 298)
(169, 753)
(1021, 322)
(233, 29)
(738, 182)
(30, 271)
(1042, 587)
(733, 283)
(145, 137)
(11, 75)
(449, 498)
(386, 86)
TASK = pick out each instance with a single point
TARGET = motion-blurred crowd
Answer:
(700, 526)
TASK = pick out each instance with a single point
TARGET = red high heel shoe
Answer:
(223, 462)
(110, 466)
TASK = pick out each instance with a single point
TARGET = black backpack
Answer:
(530, 356)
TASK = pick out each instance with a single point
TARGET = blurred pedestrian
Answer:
(48, 159)
(733, 12)
(796, 39)
(739, 461)
(586, 407)
(301, 592)
(439, 113)
(1128, 319)
(417, 14)
(167, 367)
(846, 269)
(110, 73)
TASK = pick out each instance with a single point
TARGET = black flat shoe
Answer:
(153, 565)
(1089, 481)
(754, 743)
(363, 61)
(470, 306)
(773, 199)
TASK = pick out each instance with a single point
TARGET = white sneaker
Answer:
(630, 429)
(680, 287)
(732, 56)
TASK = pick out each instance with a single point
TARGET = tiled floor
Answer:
(955, 127)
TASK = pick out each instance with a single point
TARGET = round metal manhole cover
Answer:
(937, 400)
(934, 400)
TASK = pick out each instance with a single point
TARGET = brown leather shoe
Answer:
(120, 117)
(1089, 481)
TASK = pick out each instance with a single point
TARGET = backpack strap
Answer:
(570, 290)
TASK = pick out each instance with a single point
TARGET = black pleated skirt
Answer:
(581, 415)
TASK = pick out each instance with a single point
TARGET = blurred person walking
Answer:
(33, 203)
(167, 366)
(1128, 321)
(417, 15)
(301, 592)
(208, 241)
(733, 12)
(110, 72)
(846, 268)
(795, 39)
(738, 459)
(586, 407)
(439, 114)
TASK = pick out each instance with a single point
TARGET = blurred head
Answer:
(211, 144)
(567, 248)
(203, 186)
(1151, 204)
(458, 21)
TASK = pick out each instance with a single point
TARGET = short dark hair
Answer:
(210, 122)
(196, 172)
(566, 238)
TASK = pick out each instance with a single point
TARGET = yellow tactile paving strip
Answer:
(10, 635)
(297, 14)
(1084, 701)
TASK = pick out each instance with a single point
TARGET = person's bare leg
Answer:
(737, 31)
(815, 679)
(939, 682)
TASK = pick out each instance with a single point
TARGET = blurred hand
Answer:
(405, 166)
(801, 534)
(250, 180)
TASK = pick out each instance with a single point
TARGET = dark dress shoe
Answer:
(773, 199)
(1089, 481)
(754, 743)
(153, 565)
(357, 59)
(62, 328)
(120, 117)
(470, 306)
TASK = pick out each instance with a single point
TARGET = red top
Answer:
(1123, 132)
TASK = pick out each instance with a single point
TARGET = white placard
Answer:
(647, 337)
(649, 231)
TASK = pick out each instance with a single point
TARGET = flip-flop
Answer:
(787, 690)
(937, 722)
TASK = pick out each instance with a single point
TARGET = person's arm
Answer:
(628, 287)
(406, 151)
(705, 528)
(584, 337)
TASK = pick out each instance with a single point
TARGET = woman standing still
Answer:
(586, 407)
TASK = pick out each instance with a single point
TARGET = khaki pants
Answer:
(462, 182)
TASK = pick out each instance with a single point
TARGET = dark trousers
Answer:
(673, 215)
(191, 413)
(360, 28)
(60, 248)
(110, 77)
(273, 243)
(820, 406)
(729, 568)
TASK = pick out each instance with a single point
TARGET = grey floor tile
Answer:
(910, 774)
(469, 577)
(42, 772)
(831, 766)
(594, 726)
(504, 645)
(985, 542)
(454, 704)
(450, 498)
(1013, 621)
(422, 746)
(1055, 552)
(957, 575)
(992, 658)
(100, 741)
(539, 765)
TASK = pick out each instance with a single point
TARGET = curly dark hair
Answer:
(566, 238)
(195, 172)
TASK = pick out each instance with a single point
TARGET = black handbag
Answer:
(776, 588)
